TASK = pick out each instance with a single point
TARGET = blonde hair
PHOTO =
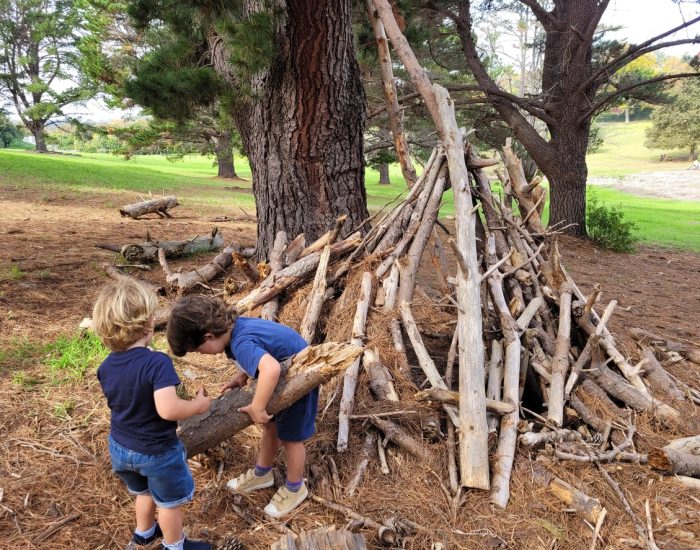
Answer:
(122, 313)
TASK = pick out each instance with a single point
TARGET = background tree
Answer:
(578, 81)
(8, 131)
(39, 66)
(677, 124)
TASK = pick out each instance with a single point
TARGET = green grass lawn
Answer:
(663, 222)
(623, 152)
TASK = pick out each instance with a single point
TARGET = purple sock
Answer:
(261, 470)
(294, 486)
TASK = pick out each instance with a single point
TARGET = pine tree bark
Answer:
(303, 133)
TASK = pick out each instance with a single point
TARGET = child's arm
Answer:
(268, 375)
(171, 407)
(238, 381)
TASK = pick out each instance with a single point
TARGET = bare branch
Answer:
(606, 99)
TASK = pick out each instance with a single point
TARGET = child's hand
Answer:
(202, 400)
(259, 416)
(238, 381)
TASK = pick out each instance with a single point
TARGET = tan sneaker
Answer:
(248, 481)
(285, 501)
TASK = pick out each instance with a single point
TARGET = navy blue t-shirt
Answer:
(252, 338)
(128, 379)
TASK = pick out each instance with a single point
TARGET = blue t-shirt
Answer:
(128, 379)
(252, 338)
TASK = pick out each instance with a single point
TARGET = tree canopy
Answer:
(39, 60)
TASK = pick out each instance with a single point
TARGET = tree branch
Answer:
(543, 16)
(606, 99)
(636, 51)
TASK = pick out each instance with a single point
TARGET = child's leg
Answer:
(269, 446)
(145, 513)
(170, 520)
(296, 457)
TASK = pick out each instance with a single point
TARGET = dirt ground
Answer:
(54, 467)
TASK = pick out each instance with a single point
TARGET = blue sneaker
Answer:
(142, 541)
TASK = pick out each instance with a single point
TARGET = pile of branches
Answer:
(547, 346)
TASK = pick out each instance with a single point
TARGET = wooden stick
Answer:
(269, 310)
(598, 527)
(327, 238)
(587, 507)
(367, 448)
(347, 401)
(399, 436)
(41, 537)
(560, 362)
(495, 379)
(626, 505)
(424, 359)
(381, 452)
(315, 298)
(380, 382)
(392, 104)
(291, 274)
(452, 398)
(420, 240)
(585, 355)
(187, 281)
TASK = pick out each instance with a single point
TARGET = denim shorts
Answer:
(298, 421)
(166, 477)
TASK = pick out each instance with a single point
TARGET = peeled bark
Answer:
(302, 373)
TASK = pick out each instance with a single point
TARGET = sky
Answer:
(640, 19)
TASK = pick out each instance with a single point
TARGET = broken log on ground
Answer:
(147, 251)
(153, 206)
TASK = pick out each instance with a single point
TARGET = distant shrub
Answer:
(608, 228)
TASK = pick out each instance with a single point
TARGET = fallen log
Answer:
(674, 462)
(367, 450)
(689, 351)
(380, 382)
(147, 251)
(300, 374)
(112, 272)
(658, 378)
(153, 206)
(587, 507)
(187, 281)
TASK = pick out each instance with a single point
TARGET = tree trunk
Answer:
(693, 153)
(567, 176)
(384, 174)
(303, 134)
(39, 134)
(224, 156)
(627, 115)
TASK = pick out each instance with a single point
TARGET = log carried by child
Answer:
(305, 371)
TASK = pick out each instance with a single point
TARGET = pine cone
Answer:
(231, 542)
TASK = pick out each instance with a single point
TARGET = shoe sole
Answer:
(276, 515)
(263, 485)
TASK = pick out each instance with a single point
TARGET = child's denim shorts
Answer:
(166, 477)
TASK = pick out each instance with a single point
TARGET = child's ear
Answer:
(208, 336)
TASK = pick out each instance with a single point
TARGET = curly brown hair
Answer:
(194, 316)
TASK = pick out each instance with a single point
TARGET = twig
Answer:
(53, 528)
(626, 505)
(380, 415)
(650, 527)
(598, 525)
